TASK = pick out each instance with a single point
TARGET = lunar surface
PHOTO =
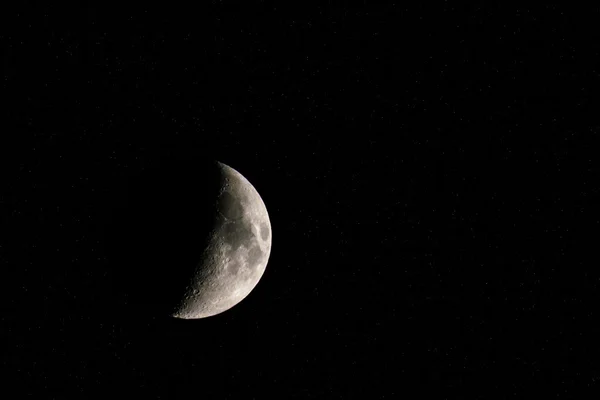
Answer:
(236, 253)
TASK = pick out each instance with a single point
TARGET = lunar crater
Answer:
(264, 231)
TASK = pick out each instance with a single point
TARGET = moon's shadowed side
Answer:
(156, 236)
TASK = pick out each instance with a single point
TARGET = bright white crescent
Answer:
(236, 254)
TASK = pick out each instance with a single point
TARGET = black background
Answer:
(429, 174)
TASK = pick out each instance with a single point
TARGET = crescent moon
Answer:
(236, 254)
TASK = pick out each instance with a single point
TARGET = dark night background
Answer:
(429, 173)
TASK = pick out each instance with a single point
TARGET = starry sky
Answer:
(429, 174)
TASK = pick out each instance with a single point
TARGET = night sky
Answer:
(430, 174)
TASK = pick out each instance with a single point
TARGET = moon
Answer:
(185, 237)
(236, 253)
